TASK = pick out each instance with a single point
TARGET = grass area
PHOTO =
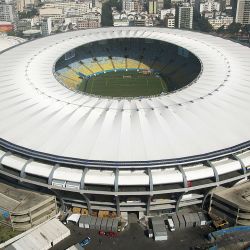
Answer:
(6, 233)
(124, 84)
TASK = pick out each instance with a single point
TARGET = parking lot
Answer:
(134, 238)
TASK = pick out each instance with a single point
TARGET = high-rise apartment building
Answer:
(7, 12)
(152, 7)
(160, 5)
(46, 26)
(185, 17)
(243, 12)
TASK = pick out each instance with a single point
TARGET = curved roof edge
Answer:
(122, 164)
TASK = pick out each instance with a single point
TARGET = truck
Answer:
(171, 226)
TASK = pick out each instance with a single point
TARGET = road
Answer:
(134, 238)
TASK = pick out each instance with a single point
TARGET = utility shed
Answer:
(159, 229)
(43, 237)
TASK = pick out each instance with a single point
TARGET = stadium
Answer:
(126, 119)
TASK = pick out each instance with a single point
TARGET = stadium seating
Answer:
(106, 64)
(69, 74)
(127, 55)
(132, 64)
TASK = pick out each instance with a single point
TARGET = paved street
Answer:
(133, 238)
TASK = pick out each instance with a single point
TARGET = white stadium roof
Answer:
(9, 41)
(43, 119)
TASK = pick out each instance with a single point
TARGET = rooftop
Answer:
(43, 119)
(16, 199)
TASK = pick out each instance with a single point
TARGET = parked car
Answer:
(112, 234)
(85, 242)
(101, 232)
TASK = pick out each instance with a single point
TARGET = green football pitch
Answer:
(124, 84)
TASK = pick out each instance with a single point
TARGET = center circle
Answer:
(127, 67)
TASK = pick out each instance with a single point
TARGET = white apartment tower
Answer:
(46, 26)
(7, 12)
(243, 12)
(185, 17)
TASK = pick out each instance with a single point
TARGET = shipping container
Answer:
(109, 224)
(98, 223)
(92, 222)
(104, 224)
(87, 222)
(115, 225)
(81, 222)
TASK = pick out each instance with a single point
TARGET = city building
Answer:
(132, 6)
(23, 24)
(43, 237)
(6, 26)
(185, 17)
(46, 26)
(56, 14)
(165, 12)
(232, 204)
(160, 5)
(120, 20)
(8, 12)
(220, 21)
(174, 2)
(128, 5)
(209, 6)
(170, 21)
(26, 4)
(152, 7)
(88, 24)
(22, 209)
(243, 12)
(32, 33)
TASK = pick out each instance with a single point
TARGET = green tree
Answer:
(167, 4)
(202, 24)
(221, 29)
(234, 28)
(107, 19)
(28, 14)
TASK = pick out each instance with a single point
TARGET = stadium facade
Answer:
(152, 154)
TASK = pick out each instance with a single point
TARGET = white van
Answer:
(171, 225)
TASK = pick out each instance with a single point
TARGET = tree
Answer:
(234, 28)
(107, 19)
(245, 29)
(203, 25)
(167, 4)
(106, 15)
(29, 14)
(221, 29)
